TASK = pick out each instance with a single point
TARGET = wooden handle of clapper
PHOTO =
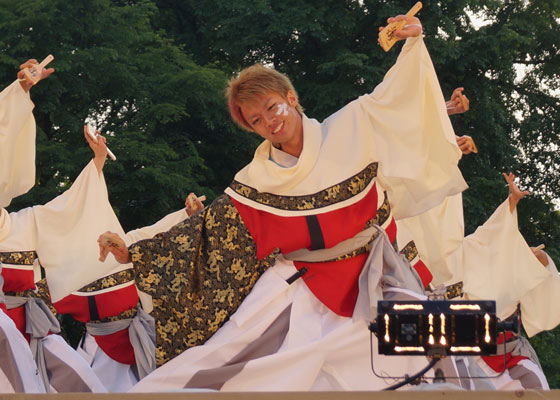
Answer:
(386, 36)
(47, 60)
(415, 8)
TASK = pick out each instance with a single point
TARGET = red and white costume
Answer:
(389, 154)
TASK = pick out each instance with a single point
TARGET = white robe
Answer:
(17, 143)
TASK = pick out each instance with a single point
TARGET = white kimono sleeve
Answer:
(413, 137)
(539, 306)
(163, 225)
(17, 231)
(497, 264)
(437, 233)
(17, 143)
(67, 231)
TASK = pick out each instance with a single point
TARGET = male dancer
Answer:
(317, 202)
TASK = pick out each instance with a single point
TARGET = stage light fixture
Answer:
(436, 327)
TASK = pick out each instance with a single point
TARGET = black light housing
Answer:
(436, 327)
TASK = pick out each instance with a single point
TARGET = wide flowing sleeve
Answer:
(67, 229)
(17, 231)
(497, 264)
(437, 233)
(17, 143)
(412, 136)
(539, 306)
(162, 225)
(197, 273)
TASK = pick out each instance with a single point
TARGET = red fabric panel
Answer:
(117, 346)
(18, 316)
(344, 223)
(18, 280)
(335, 284)
(270, 231)
(508, 336)
(497, 362)
(77, 306)
(108, 304)
(391, 230)
(424, 273)
(116, 301)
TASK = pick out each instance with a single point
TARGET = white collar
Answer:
(282, 158)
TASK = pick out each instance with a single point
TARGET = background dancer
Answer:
(18, 372)
(60, 367)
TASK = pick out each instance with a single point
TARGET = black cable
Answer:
(413, 377)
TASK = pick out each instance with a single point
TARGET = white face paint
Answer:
(282, 109)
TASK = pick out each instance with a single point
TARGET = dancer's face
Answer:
(275, 118)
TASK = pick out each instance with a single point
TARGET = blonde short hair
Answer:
(251, 83)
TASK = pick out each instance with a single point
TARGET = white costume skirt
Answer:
(282, 339)
(18, 372)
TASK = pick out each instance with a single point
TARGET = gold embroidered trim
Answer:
(25, 293)
(18, 257)
(382, 215)
(118, 278)
(44, 294)
(331, 195)
(410, 251)
(126, 314)
(453, 291)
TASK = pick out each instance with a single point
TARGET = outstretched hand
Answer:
(412, 27)
(193, 204)
(459, 103)
(110, 242)
(24, 82)
(99, 148)
(466, 144)
(515, 195)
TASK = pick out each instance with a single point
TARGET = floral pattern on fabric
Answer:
(18, 257)
(197, 273)
(109, 281)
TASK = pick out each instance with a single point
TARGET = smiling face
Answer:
(276, 118)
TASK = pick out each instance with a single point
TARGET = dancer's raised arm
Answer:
(99, 149)
(514, 193)
(25, 83)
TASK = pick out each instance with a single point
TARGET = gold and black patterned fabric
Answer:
(44, 294)
(326, 197)
(382, 214)
(109, 281)
(198, 273)
(410, 251)
(18, 257)
(454, 291)
(126, 314)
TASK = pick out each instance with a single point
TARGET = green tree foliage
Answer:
(153, 102)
